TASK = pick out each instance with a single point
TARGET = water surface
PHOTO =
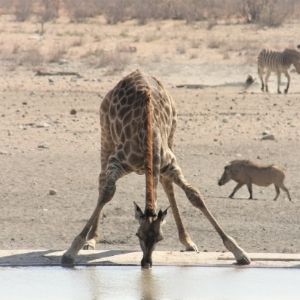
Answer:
(207, 283)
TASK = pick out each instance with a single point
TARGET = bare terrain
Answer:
(50, 138)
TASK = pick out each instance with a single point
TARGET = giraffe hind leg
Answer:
(174, 174)
(184, 236)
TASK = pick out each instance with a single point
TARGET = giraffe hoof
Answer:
(67, 261)
(192, 247)
(89, 245)
(245, 260)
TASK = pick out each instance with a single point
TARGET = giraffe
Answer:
(138, 121)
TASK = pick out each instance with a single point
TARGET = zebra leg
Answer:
(288, 83)
(267, 79)
(260, 74)
(278, 82)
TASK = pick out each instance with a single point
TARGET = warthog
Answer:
(247, 172)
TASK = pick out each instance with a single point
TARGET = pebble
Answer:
(52, 192)
(73, 111)
(268, 137)
(43, 146)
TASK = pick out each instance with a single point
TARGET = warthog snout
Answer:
(225, 176)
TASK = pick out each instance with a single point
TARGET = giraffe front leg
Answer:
(196, 200)
(184, 236)
(92, 237)
(106, 193)
(80, 240)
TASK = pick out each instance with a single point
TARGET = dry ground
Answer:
(45, 147)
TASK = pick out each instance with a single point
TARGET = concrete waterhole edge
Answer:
(42, 257)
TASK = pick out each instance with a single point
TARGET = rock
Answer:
(268, 137)
(73, 111)
(249, 80)
(52, 192)
(225, 120)
(4, 153)
(43, 146)
(43, 125)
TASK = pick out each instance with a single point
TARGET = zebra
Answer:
(278, 62)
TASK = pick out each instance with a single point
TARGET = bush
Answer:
(113, 60)
(22, 10)
(268, 12)
(78, 10)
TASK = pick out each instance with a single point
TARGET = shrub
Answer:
(56, 54)
(267, 12)
(113, 60)
(32, 57)
(23, 10)
(78, 10)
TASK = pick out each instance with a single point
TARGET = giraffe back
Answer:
(123, 118)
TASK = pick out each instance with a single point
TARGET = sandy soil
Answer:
(44, 147)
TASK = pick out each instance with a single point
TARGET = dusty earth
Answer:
(44, 147)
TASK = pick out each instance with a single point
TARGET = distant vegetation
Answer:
(262, 12)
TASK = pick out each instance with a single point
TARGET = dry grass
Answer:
(180, 49)
(30, 57)
(112, 60)
(77, 42)
(214, 43)
(56, 54)
(196, 43)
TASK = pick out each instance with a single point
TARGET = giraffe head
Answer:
(149, 232)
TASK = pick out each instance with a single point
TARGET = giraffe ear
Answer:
(138, 213)
(162, 214)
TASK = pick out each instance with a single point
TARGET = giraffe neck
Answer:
(150, 201)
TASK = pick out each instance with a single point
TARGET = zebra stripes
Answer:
(278, 62)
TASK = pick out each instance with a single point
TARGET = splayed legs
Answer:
(107, 189)
(174, 174)
(184, 236)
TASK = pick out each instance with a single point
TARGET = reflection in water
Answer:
(94, 284)
(149, 286)
(133, 283)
